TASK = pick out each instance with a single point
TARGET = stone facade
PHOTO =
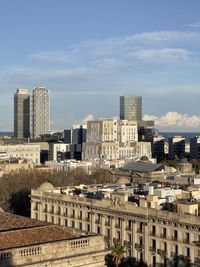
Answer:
(160, 238)
(21, 151)
(36, 244)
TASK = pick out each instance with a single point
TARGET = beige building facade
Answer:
(159, 238)
(21, 151)
(15, 166)
(26, 242)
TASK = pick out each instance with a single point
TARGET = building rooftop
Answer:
(17, 231)
(10, 221)
(33, 236)
(143, 167)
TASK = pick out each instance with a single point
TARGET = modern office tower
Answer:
(176, 147)
(40, 111)
(158, 148)
(131, 108)
(195, 147)
(22, 113)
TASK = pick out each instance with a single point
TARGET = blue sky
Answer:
(89, 52)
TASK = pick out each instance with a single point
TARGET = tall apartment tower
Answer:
(40, 123)
(22, 113)
(131, 108)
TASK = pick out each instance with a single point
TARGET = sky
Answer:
(90, 52)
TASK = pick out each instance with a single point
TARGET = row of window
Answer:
(5, 256)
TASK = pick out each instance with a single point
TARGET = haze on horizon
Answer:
(88, 53)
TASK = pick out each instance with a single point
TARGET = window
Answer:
(5, 256)
(129, 237)
(107, 232)
(188, 252)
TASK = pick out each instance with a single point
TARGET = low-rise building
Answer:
(28, 151)
(26, 242)
(15, 165)
(72, 165)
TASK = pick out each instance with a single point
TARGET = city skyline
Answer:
(88, 54)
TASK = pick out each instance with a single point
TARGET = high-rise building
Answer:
(40, 111)
(131, 108)
(158, 147)
(22, 113)
(176, 147)
(195, 147)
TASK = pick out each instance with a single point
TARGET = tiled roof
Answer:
(10, 221)
(17, 231)
(33, 236)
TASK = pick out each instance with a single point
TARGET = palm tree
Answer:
(117, 251)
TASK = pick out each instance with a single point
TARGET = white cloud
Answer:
(89, 117)
(166, 36)
(194, 25)
(175, 119)
(160, 55)
(32, 73)
(56, 56)
(115, 51)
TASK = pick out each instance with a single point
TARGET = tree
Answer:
(117, 250)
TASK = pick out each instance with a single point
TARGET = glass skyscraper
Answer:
(131, 108)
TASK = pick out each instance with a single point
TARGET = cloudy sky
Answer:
(88, 53)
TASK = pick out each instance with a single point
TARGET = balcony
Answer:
(97, 221)
(139, 247)
(140, 231)
(87, 219)
(186, 241)
(162, 253)
(153, 250)
(127, 243)
(197, 261)
(197, 243)
(117, 225)
(184, 258)
(164, 236)
(116, 240)
(153, 233)
(174, 238)
(107, 223)
(128, 228)
(174, 254)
